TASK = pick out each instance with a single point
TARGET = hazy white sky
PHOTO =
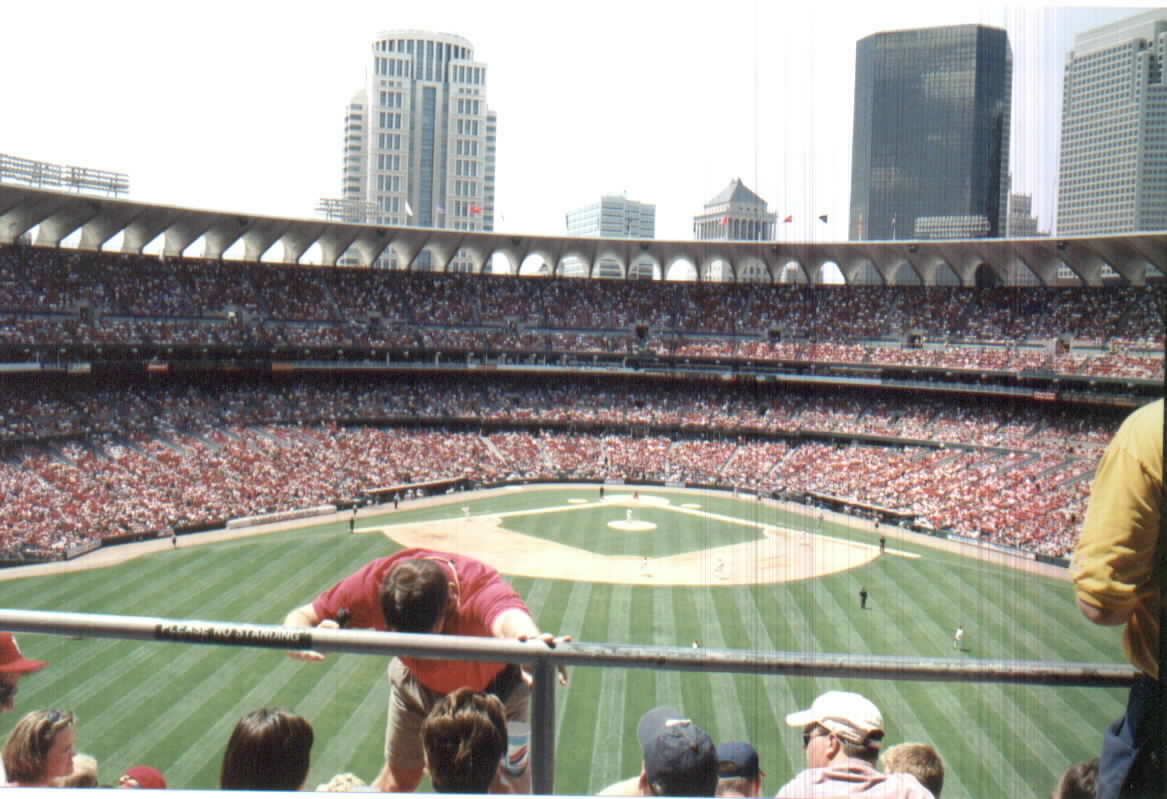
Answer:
(239, 105)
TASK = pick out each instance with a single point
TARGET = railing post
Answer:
(543, 727)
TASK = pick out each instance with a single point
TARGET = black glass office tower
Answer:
(930, 150)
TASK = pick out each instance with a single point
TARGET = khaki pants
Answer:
(409, 704)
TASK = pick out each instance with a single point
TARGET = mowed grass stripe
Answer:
(727, 719)
(609, 731)
(772, 700)
(659, 620)
(581, 709)
(570, 622)
(350, 697)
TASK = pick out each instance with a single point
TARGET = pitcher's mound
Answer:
(632, 526)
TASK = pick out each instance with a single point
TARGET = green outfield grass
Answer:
(173, 705)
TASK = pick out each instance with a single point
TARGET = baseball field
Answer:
(653, 567)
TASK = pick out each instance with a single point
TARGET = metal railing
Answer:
(544, 661)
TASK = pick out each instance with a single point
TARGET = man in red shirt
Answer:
(423, 591)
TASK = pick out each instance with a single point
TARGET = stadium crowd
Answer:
(82, 465)
(60, 298)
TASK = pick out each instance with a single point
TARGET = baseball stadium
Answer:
(698, 474)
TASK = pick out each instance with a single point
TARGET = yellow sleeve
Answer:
(1113, 561)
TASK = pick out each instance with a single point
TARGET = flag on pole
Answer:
(408, 210)
(476, 209)
(823, 218)
(723, 221)
(788, 219)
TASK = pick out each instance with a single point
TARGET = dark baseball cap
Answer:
(679, 757)
(738, 759)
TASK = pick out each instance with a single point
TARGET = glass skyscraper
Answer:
(930, 148)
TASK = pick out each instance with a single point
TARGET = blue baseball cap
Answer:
(738, 759)
(679, 757)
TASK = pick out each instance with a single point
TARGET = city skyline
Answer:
(209, 115)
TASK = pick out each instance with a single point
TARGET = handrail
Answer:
(545, 661)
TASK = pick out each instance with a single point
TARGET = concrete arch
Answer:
(502, 262)
(498, 261)
(753, 269)
(828, 273)
(644, 267)
(574, 263)
(904, 274)
(536, 264)
(463, 262)
(986, 277)
(792, 272)
(313, 256)
(195, 250)
(681, 269)
(935, 271)
(717, 270)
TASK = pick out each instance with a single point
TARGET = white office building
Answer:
(1113, 172)
(613, 217)
(419, 139)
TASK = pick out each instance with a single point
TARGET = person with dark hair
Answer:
(464, 738)
(920, 760)
(423, 591)
(1118, 569)
(842, 733)
(40, 748)
(1079, 781)
(268, 751)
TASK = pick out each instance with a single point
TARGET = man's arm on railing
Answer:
(515, 623)
(305, 616)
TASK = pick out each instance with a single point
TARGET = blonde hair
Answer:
(84, 773)
(28, 744)
(343, 783)
(919, 760)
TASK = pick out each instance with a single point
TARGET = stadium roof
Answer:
(56, 216)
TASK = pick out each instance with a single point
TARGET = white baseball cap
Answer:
(852, 717)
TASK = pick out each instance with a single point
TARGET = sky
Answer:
(239, 106)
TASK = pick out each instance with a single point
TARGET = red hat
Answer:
(146, 776)
(12, 661)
